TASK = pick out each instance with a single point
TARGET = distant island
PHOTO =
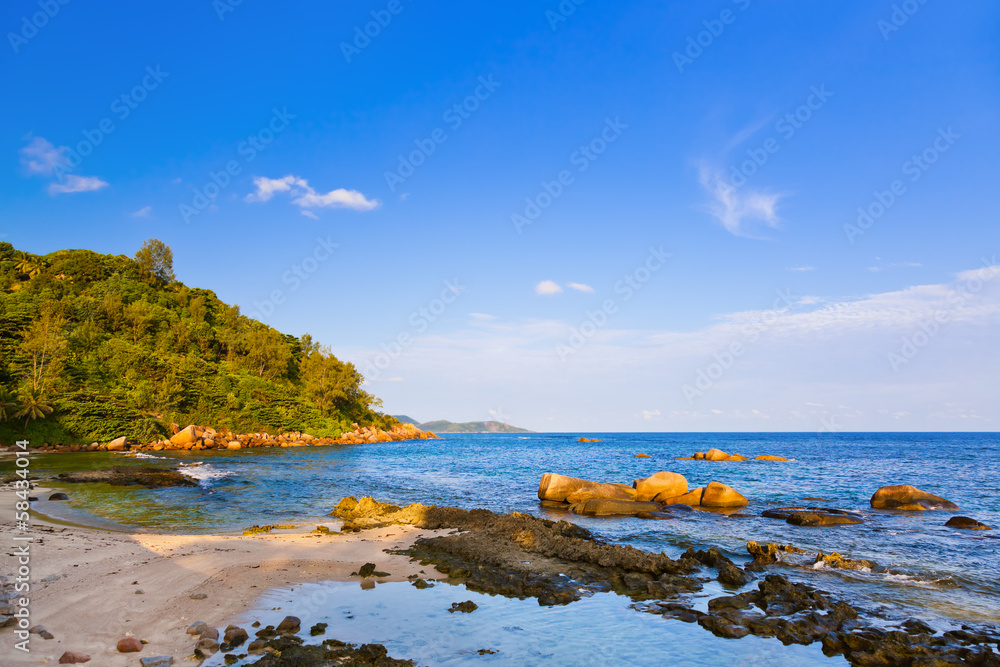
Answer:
(445, 426)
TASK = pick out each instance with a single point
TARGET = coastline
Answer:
(89, 601)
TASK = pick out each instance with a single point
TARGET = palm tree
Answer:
(24, 265)
(33, 406)
(7, 404)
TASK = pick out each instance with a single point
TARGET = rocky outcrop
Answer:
(196, 438)
(670, 484)
(610, 507)
(129, 476)
(835, 560)
(770, 552)
(589, 440)
(909, 498)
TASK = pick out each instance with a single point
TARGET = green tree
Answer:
(156, 257)
(139, 315)
(43, 346)
(34, 405)
(8, 405)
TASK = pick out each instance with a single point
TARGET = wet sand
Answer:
(90, 601)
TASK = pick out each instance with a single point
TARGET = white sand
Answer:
(94, 603)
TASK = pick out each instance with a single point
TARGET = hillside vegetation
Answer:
(93, 347)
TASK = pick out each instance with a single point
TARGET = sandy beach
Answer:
(85, 582)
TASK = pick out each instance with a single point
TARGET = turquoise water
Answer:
(931, 572)
(600, 630)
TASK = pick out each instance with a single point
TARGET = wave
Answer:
(205, 473)
(143, 455)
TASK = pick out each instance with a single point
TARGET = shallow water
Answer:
(599, 630)
(928, 571)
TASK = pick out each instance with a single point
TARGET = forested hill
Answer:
(94, 346)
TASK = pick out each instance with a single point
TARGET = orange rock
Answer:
(667, 483)
(908, 497)
(720, 495)
(768, 457)
(597, 491)
(692, 498)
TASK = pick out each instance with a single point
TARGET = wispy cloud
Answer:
(802, 268)
(143, 212)
(73, 183)
(41, 158)
(735, 208)
(832, 354)
(548, 288)
(894, 265)
(580, 287)
(304, 196)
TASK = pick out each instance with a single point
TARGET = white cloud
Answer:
(548, 288)
(802, 268)
(650, 414)
(143, 212)
(310, 214)
(41, 158)
(735, 207)
(580, 287)
(832, 355)
(894, 265)
(304, 196)
(73, 183)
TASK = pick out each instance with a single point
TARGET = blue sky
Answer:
(420, 152)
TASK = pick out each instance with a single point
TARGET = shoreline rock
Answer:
(197, 438)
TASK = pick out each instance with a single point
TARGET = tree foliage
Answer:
(92, 348)
(157, 258)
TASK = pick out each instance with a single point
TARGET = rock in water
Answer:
(768, 457)
(366, 570)
(73, 658)
(235, 636)
(129, 645)
(907, 497)
(720, 495)
(821, 519)
(291, 624)
(58, 496)
(670, 484)
(768, 553)
(130, 475)
(966, 523)
(557, 487)
(466, 607)
(609, 507)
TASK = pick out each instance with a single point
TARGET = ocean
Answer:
(925, 570)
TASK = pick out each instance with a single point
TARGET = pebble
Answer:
(158, 661)
(197, 628)
(73, 658)
(198, 596)
(129, 645)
